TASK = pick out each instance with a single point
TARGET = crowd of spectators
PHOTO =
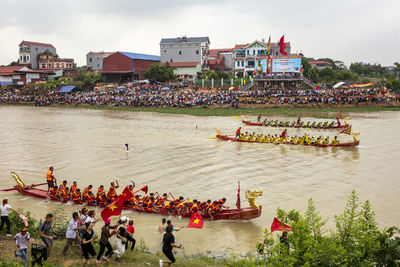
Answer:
(185, 97)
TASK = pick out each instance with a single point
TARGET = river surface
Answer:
(168, 154)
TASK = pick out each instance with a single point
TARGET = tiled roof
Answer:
(140, 56)
(240, 46)
(188, 40)
(184, 64)
(36, 44)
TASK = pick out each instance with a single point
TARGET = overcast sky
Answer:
(347, 30)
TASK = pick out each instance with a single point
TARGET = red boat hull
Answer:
(231, 214)
(233, 139)
(321, 128)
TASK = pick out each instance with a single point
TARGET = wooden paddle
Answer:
(10, 189)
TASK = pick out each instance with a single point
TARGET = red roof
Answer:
(240, 46)
(36, 43)
(319, 62)
(8, 70)
(184, 64)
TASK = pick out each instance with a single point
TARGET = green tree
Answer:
(160, 72)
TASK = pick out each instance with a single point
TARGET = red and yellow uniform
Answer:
(73, 188)
(167, 206)
(89, 197)
(112, 193)
(194, 208)
(49, 176)
(101, 199)
(204, 205)
(100, 192)
(53, 192)
(76, 196)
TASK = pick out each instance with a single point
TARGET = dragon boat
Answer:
(248, 213)
(298, 124)
(224, 137)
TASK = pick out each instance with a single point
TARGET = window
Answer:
(36, 49)
(248, 52)
(197, 52)
(58, 65)
(170, 60)
(24, 58)
(90, 59)
(21, 58)
(43, 66)
(254, 52)
(238, 63)
(165, 51)
(242, 63)
(98, 65)
(180, 53)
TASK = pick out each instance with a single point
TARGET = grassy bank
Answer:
(287, 111)
(138, 257)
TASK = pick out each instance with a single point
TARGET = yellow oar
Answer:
(217, 138)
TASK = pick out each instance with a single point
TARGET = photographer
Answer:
(88, 236)
(46, 229)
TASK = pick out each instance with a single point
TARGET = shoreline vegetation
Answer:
(355, 241)
(252, 110)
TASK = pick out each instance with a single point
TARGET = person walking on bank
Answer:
(88, 236)
(121, 238)
(72, 230)
(47, 232)
(21, 240)
(129, 235)
(168, 244)
(5, 209)
(105, 243)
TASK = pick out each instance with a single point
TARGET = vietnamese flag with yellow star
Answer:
(196, 221)
(115, 208)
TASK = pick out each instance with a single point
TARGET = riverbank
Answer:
(285, 110)
(138, 257)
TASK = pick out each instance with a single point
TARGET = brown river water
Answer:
(168, 154)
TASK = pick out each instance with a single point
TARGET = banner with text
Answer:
(286, 64)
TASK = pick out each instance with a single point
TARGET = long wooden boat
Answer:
(234, 139)
(295, 125)
(228, 214)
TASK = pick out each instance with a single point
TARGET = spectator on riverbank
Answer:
(168, 244)
(72, 232)
(105, 243)
(161, 227)
(88, 236)
(129, 235)
(22, 240)
(5, 210)
(121, 238)
(47, 233)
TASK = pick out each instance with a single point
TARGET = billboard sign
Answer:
(286, 64)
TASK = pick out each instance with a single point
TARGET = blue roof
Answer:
(140, 56)
(69, 89)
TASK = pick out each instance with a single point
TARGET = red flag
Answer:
(238, 196)
(282, 45)
(278, 226)
(196, 221)
(145, 189)
(115, 208)
(347, 130)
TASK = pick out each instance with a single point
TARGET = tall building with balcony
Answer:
(185, 49)
(29, 53)
(48, 61)
(248, 57)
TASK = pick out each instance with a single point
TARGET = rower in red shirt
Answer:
(238, 132)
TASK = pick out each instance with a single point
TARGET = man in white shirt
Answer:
(21, 240)
(71, 233)
(5, 209)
